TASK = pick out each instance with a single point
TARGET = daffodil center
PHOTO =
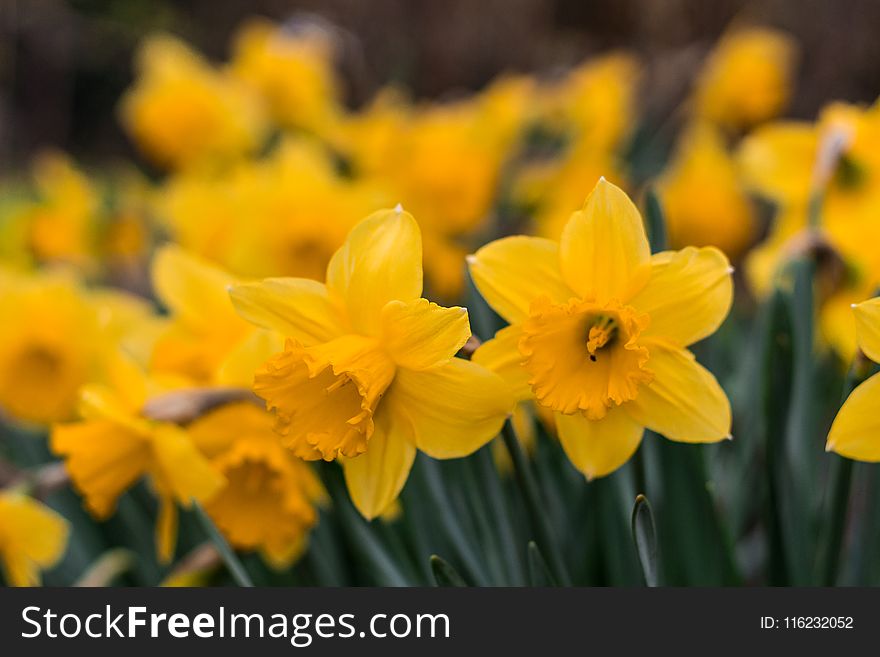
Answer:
(602, 332)
(584, 357)
(324, 396)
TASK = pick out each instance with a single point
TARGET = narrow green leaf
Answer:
(539, 573)
(444, 574)
(236, 569)
(655, 221)
(645, 538)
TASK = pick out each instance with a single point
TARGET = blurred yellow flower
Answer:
(599, 328)
(703, 200)
(746, 79)
(32, 538)
(292, 69)
(268, 501)
(181, 111)
(834, 161)
(115, 445)
(60, 224)
(855, 432)
(284, 215)
(368, 371)
(204, 341)
(54, 338)
(591, 111)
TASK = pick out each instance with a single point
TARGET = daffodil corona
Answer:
(368, 373)
(599, 329)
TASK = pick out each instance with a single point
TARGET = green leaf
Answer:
(645, 538)
(444, 574)
(539, 573)
(655, 222)
(236, 569)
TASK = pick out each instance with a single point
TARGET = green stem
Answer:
(839, 488)
(236, 569)
(840, 485)
(537, 513)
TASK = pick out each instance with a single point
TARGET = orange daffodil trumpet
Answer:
(855, 432)
(368, 373)
(599, 329)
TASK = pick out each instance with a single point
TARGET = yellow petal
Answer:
(867, 316)
(688, 295)
(604, 252)
(380, 261)
(599, 447)
(193, 289)
(376, 477)
(512, 272)
(454, 408)
(180, 468)
(684, 401)
(501, 355)
(32, 536)
(294, 307)
(247, 357)
(777, 160)
(855, 432)
(419, 334)
(103, 459)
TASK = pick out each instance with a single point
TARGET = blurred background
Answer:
(63, 65)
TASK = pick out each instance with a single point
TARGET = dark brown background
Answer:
(63, 64)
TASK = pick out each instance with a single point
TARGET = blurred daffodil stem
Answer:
(536, 509)
(839, 489)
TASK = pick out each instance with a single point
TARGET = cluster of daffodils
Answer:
(276, 285)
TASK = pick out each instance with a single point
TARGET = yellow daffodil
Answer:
(204, 340)
(292, 70)
(595, 102)
(704, 202)
(259, 218)
(32, 538)
(442, 160)
(268, 501)
(114, 445)
(834, 161)
(55, 337)
(368, 371)
(591, 111)
(60, 224)
(855, 432)
(181, 111)
(599, 329)
(746, 79)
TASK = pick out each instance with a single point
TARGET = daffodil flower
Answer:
(204, 341)
(855, 432)
(114, 446)
(32, 537)
(268, 501)
(368, 373)
(599, 329)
